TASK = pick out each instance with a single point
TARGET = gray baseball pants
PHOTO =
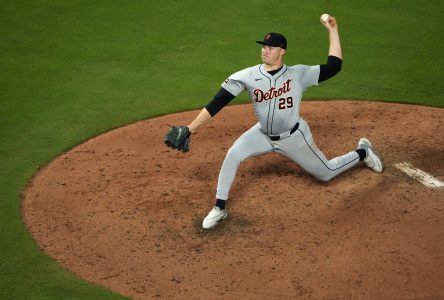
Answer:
(299, 147)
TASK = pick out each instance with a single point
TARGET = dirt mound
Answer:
(124, 211)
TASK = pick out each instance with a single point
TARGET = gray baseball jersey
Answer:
(276, 98)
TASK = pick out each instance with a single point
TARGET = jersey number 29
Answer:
(285, 103)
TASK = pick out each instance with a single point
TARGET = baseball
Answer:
(325, 17)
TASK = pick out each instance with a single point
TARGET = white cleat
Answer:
(214, 216)
(373, 159)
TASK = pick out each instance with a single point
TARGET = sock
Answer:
(220, 203)
(362, 154)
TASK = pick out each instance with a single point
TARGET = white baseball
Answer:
(325, 17)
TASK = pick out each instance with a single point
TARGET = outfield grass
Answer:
(74, 69)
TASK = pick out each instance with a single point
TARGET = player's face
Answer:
(271, 55)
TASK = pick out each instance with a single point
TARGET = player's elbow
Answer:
(330, 69)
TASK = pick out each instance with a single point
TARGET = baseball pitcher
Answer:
(275, 90)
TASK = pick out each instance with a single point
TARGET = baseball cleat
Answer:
(373, 159)
(214, 216)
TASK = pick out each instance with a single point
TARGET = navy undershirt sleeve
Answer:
(330, 69)
(222, 98)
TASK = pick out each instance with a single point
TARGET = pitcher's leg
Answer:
(301, 148)
(252, 143)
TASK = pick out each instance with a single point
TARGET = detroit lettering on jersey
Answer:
(275, 97)
(272, 93)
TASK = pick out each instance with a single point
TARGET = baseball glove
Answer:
(178, 137)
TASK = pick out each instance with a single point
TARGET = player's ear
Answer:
(282, 51)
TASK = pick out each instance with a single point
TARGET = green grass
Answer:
(74, 69)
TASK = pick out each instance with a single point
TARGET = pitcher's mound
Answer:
(125, 212)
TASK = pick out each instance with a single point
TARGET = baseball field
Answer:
(74, 70)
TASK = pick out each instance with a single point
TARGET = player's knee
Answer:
(235, 155)
(324, 177)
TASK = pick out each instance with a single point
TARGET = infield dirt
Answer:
(123, 211)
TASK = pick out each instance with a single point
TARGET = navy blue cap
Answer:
(274, 39)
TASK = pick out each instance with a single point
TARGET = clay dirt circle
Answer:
(123, 211)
